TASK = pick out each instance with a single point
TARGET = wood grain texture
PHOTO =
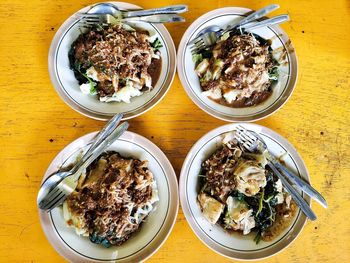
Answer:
(35, 124)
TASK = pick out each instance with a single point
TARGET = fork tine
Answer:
(197, 41)
(197, 46)
(82, 15)
(54, 200)
(90, 21)
(242, 139)
(50, 194)
(245, 137)
(194, 51)
(248, 133)
(242, 142)
(238, 138)
(87, 24)
(57, 201)
(201, 45)
(193, 46)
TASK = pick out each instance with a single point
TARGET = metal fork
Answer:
(207, 38)
(69, 183)
(94, 19)
(254, 144)
(211, 38)
(54, 179)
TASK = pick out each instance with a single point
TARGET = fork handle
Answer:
(99, 138)
(253, 16)
(174, 9)
(268, 22)
(302, 185)
(115, 134)
(304, 206)
(258, 14)
(163, 18)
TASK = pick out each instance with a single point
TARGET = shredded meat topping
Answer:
(238, 70)
(113, 190)
(115, 56)
(219, 171)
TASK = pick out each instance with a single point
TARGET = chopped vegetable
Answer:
(156, 44)
(218, 65)
(197, 58)
(202, 67)
(260, 203)
(211, 208)
(273, 73)
(239, 192)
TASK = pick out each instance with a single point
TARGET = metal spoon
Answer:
(203, 41)
(301, 184)
(60, 192)
(53, 180)
(108, 8)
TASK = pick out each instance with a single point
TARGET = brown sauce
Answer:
(284, 218)
(253, 100)
(154, 70)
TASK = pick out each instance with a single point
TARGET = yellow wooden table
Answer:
(35, 124)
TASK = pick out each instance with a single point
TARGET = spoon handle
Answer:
(112, 137)
(258, 14)
(98, 139)
(299, 200)
(252, 17)
(156, 19)
(302, 185)
(175, 9)
(268, 22)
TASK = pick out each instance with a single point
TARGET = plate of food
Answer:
(231, 199)
(124, 207)
(245, 75)
(102, 70)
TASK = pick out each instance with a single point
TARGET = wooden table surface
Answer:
(35, 124)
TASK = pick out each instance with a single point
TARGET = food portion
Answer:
(238, 71)
(116, 62)
(240, 193)
(112, 199)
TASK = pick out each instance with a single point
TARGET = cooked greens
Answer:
(156, 44)
(105, 55)
(239, 192)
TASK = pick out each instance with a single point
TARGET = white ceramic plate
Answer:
(154, 230)
(215, 237)
(67, 86)
(189, 79)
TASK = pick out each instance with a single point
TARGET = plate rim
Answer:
(104, 117)
(183, 187)
(203, 106)
(169, 221)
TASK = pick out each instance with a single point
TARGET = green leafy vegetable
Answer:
(77, 67)
(197, 58)
(274, 74)
(257, 238)
(260, 202)
(156, 45)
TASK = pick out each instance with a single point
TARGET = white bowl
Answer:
(154, 231)
(189, 79)
(67, 86)
(215, 237)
